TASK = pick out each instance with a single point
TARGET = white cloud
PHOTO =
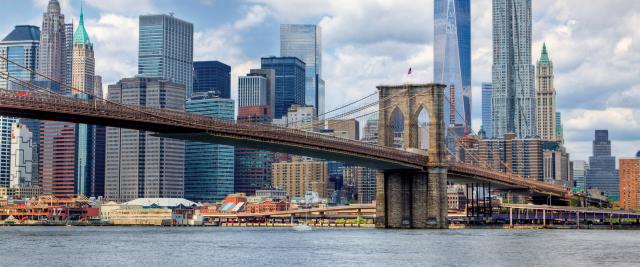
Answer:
(124, 7)
(255, 15)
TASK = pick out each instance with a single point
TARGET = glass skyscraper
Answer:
(212, 76)
(452, 54)
(165, 49)
(290, 82)
(602, 173)
(487, 92)
(209, 173)
(514, 95)
(20, 46)
(305, 43)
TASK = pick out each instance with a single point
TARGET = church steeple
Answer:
(544, 57)
(80, 36)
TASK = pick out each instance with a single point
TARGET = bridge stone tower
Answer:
(412, 118)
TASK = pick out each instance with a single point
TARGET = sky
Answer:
(594, 45)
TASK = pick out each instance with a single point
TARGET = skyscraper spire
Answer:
(544, 57)
(80, 36)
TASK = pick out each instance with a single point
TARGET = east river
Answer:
(212, 246)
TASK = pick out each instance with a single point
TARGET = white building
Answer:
(298, 117)
(20, 172)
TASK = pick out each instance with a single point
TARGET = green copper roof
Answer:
(544, 58)
(81, 36)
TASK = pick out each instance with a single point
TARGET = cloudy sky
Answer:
(595, 47)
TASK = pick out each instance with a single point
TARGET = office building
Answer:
(629, 181)
(83, 81)
(546, 97)
(523, 157)
(363, 182)
(138, 163)
(305, 43)
(20, 46)
(298, 117)
(487, 125)
(556, 164)
(300, 176)
(370, 130)
(602, 173)
(348, 129)
(253, 169)
(452, 56)
(69, 30)
(165, 49)
(20, 171)
(559, 128)
(514, 96)
(212, 76)
(290, 82)
(209, 168)
(53, 55)
(254, 91)
(580, 168)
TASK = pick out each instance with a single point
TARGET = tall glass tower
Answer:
(21, 47)
(305, 43)
(165, 49)
(602, 173)
(209, 173)
(514, 95)
(487, 122)
(290, 82)
(452, 55)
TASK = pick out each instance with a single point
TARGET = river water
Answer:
(213, 246)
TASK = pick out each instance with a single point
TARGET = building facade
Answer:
(253, 167)
(487, 119)
(523, 157)
(21, 167)
(83, 81)
(452, 55)
(53, 55)
(300, 176)
(254, 91)
(629, 180)
(209, 168)
(602, 173)
(305, 43)
(212, 76)
(165, 49)
(139, 164)
(289, 82)
(546, 97)
(20, 46)
(514, 96)
(580, 168)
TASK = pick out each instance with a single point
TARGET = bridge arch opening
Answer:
(397, 128)
(423, 125)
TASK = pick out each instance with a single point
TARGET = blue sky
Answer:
(595, 48)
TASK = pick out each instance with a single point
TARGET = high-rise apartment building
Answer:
(138, 163)
(298, 117)
(165, 49)
(546, 97)
(514, 96)
(53, 55)
(487, 119)
(370, 130)
(209, 168)
(300, 176)
(305, 43)
(629, 183)
(452, 56)
(211, 76)
(556, 164)
(290, 82)
(602, 173)
(21, 47)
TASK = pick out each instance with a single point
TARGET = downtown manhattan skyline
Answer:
(596, 76)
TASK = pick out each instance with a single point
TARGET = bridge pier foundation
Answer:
(412, 199)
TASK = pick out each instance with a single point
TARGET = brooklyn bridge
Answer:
(414, 168)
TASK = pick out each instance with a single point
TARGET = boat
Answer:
(302, 228)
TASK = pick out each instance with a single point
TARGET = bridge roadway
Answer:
(192, 127)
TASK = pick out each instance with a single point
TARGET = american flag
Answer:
(409, 71)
